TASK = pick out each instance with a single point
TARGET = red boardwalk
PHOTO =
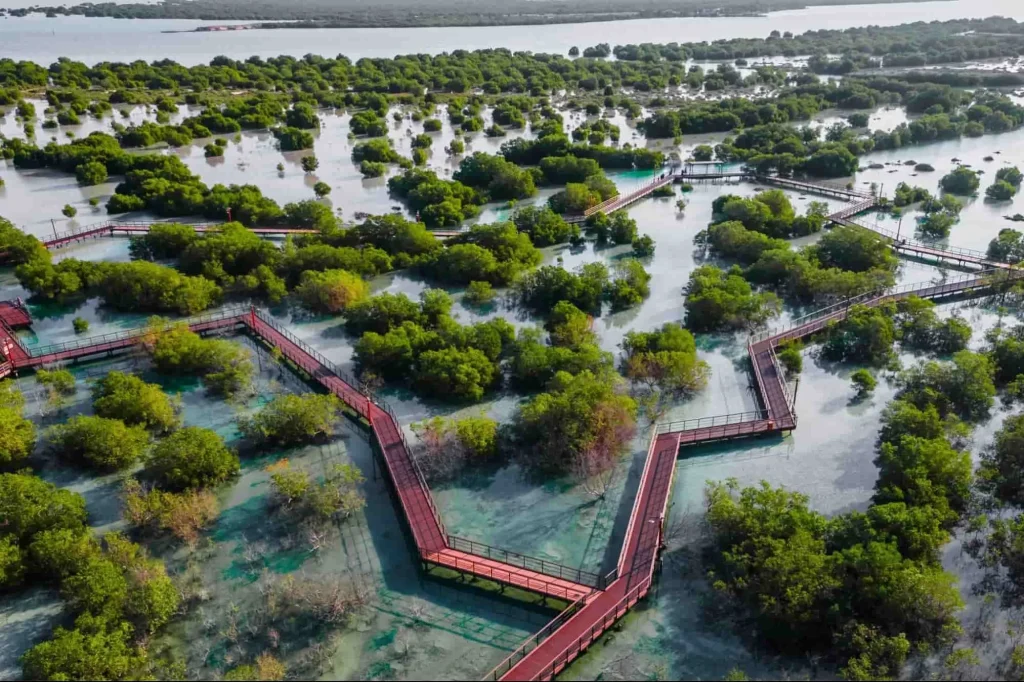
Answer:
(412, 491)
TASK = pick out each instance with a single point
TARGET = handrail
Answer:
(129, 334)
(359, 388)
(543, 566)
(782, 381)
(535, 640)
(707, 422)
(879, 295)
(606, 620)
(913, 243)
(634, 512)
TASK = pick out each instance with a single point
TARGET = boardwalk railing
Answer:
(782, 380)
(711, 422)
(605, 621)
(950, 285)
(549, 568)
(533, 642)
(131, 334)
(913, 243)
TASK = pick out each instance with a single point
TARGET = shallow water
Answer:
(416, 627)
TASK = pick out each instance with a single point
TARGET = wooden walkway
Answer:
(545, 578)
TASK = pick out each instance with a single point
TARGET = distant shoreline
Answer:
(230, 12)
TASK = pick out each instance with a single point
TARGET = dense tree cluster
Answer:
(585, 288)
(723, 300)
(581, 424)
(843, 263)
(863, 586)
(868, 335)
(17, 434)
(116, 594)
(422, 345)
(225, 366)
(290, 420)
(665, 359)
(496, 253)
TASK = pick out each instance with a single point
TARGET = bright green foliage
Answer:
(378, 150)
(905, 195)
(61, 552)
(225, 366)
(335, 498)
(152, 598)
(581, 417)
(331, 291)
(310, 163)
(643, 246)
(630, 286)
(1008, 247)
(69, 211)
(570, 326)
(292, 139)
(1006, 350)
(106, 444)
(381, 313)
(542, 289)
(962, 181)
(769, 212)
(495, 253)
(17, 434)
(854, 250)
(666, 358)
(809, 590)
(544, 226)
(479, 293)
(864, 382)
(80, 325)
(1011, 175)
(936, 225)
(12, 562)
(92, 650)
(1002, 468)
(449, 445)
(790, 354)
(1000, 190)
(29, 505)
(133, 401)
(460, 375)
(718, 300)
(193, 457)
(372, 169)
(921, 329)
(394, 235)
(963, 387)
(163, 240)
(865, 335)
(618, 228)
(534, 364)
(98, 587)
(293, 420)
(91, 173)
(924, 473)
(500, 179)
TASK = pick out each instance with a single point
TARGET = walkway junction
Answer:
(596, 602)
